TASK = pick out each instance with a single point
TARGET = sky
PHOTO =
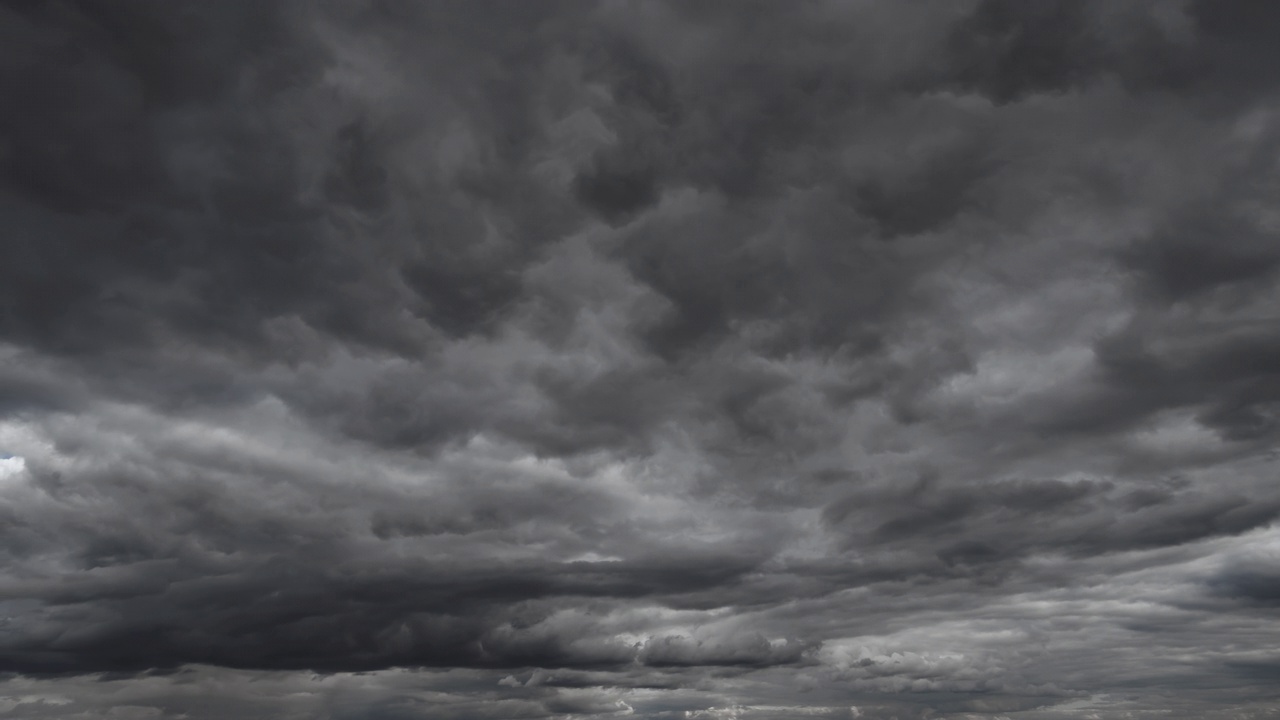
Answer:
(698, 360)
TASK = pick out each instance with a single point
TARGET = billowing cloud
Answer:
(667, 360)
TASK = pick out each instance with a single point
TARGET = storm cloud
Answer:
(718, 360)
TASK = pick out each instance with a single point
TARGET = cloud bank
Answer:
(731, 361)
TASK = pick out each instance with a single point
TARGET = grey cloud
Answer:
(664, 360)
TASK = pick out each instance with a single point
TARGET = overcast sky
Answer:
(384, 359)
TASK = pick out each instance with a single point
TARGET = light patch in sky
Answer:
(11, 466)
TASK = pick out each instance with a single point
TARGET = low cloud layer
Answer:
(730, 361)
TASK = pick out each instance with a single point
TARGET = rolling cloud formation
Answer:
(583, 360)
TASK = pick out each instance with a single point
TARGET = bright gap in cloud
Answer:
(11, 466)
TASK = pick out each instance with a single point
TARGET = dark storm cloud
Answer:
(712, 360)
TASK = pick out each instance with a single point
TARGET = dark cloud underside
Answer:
(677, 360)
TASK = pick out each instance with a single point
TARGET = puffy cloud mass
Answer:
(716, 360)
